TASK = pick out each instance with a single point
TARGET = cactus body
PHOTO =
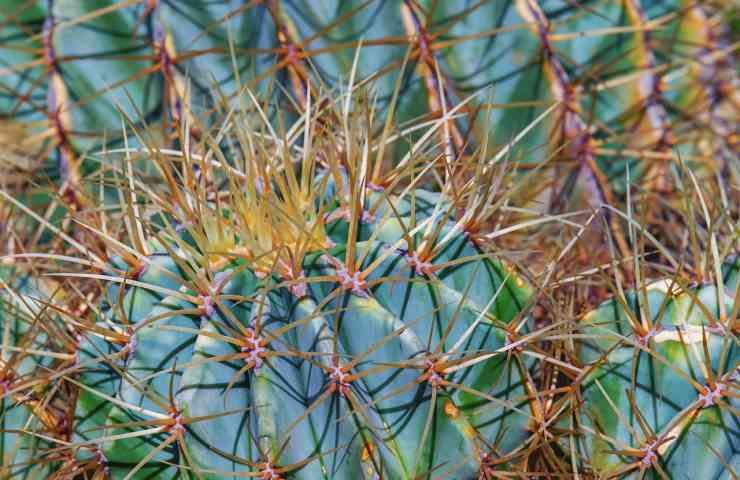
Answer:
(334, 376)
(662, 397)
(616, 71)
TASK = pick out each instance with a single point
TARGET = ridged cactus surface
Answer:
(373, 351)
(629, 82)
(661, 400)
(380, 239)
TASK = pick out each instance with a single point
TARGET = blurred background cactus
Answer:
(512, 225)
(636, 81)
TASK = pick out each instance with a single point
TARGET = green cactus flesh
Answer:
(334, 376)
(681, 369)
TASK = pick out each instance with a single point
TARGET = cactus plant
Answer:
(660, 397)
(285, 231)
(275, 381)
(617, 71)
(306, 325)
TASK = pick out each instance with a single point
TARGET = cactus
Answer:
(275, 379)
(660, 395)
(306, 325)
(289, 239)
(618, 72)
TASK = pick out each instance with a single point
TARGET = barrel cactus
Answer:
(378, 360)
(251, 297)
(660, 399)
(634, 79)
(305, 323)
